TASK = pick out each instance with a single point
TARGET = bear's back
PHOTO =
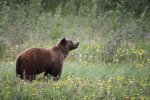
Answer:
(35, 53)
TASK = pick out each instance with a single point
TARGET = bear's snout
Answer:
(76, 44)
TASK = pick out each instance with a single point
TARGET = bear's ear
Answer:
(63, 40)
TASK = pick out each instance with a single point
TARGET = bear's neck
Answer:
(62, 49)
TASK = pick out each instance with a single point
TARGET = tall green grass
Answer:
(91, 81)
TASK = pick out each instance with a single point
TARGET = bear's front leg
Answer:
(45, 76)
(57, 76)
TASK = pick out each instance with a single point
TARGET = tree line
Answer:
(85, 7)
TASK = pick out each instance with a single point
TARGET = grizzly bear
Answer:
(50, 61)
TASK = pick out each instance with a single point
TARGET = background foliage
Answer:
(105, 27)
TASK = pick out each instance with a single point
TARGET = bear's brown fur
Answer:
(37, 60)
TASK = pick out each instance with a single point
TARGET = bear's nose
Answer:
(77, 44)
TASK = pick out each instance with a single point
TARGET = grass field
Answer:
(79, 82)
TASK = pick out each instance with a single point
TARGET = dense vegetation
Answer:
(113, 59)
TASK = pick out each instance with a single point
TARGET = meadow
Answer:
(111, 63)
(79, 82)
(100, 69)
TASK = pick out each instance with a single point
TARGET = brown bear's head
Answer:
(68, 44)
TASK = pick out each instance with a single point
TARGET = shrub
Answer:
(2, 48)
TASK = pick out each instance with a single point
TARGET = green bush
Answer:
(2, 48)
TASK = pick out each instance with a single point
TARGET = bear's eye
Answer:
(71, 42)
